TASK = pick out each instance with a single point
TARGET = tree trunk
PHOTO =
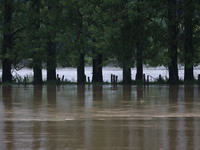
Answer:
(126, 53)
(6, 70)
(139, 64)
(126, 75)
(7, 42)
(139, 46)
(51, 61)
(37, 71)
(97, 69)
(172, 42)
(35, 26)
(51, 74)
(188, 43)
(81, 78)
(139, 74)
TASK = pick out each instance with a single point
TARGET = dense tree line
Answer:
(69, 33)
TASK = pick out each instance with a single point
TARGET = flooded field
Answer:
(70, 117)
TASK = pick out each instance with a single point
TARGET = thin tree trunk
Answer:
(139, 64)
(139, 47)
(188, 43)
(172, 42)
(7, 41)
(97, 69)
(37, 71)
(81, 78)
(51, 61)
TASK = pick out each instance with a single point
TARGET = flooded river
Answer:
(68, 117)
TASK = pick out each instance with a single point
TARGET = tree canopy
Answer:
(74, 32)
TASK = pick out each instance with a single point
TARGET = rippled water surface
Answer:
(98, 117)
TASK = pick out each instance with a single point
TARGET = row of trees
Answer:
(133, 32)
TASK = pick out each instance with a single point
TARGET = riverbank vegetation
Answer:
(45, 34)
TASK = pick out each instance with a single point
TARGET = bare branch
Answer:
(18, 30)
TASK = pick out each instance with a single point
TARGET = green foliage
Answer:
(109, 27)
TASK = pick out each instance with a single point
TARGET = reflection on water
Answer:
(8, 126)
(100, 117)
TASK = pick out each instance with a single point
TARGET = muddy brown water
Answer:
(71, 117)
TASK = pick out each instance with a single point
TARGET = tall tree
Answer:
(140, 22)
(188, 39)
(34, 23)
(127, 54)
(95, 19)
(75, 36)
(52, 19)
(172, 24)
(8, 40)
(72, 37)
(126, 47)
(81, 78)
